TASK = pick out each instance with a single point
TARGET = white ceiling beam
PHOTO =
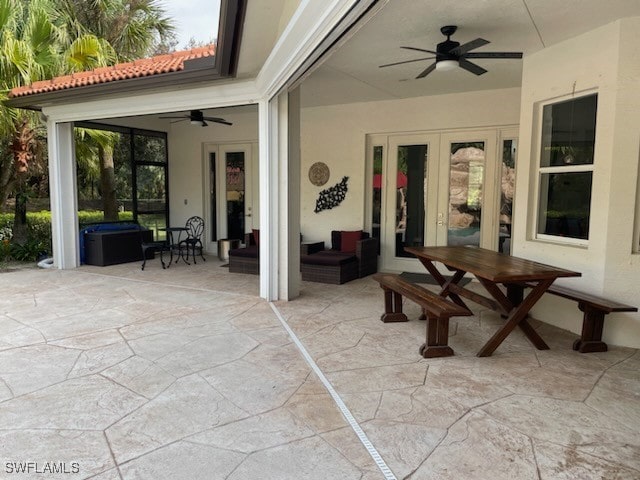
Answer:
(213, 96)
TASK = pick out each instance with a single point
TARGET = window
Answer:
(131, 182)
(565, 172)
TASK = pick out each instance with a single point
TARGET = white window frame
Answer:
(540, 201)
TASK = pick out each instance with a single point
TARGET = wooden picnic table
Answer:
(492, 269)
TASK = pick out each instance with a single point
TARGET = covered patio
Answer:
(186, 373)
(304, 87)
(192, 372)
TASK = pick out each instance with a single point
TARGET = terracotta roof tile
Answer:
(171, 62)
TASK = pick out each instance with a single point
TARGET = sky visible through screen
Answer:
(197, 19)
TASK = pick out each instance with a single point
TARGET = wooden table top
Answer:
(493, 266)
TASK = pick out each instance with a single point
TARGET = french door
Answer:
(409, 188)
(229, 181)
(440, 188)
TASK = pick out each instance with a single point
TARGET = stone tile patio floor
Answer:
(187, 374)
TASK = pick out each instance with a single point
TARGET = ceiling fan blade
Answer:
(217, 120)
(178, 121)
(204, 124)
(182, 116)
(471, 67)
(406, 61)
(478, 42)
(420, 50)
(493, 55)
(427, 71)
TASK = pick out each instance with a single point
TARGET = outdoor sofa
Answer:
(353, 254)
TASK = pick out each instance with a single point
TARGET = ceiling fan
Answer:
(450, 54)
(196, 117)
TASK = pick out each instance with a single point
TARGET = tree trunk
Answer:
(7, 179)
(108, 184)
(22, 147)
(20, 218)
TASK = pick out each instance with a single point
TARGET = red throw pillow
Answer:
(256, 236)
(348, 241)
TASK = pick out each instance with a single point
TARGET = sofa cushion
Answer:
(250, 252)
(348, 240)
(327, 258)
(336, 242)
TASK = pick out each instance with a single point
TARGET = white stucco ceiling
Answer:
(352, 74)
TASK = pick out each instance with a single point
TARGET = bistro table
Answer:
(174, 245)
(491, 269)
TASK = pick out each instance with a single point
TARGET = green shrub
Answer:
(29, 251)
(86, 217)
(39, 233)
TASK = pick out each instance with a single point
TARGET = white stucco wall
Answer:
(336, 136)
(605, 61)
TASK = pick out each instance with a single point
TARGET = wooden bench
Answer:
(437, 310)
(594, 308)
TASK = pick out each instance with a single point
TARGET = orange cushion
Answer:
(256, 236)
(348, 240)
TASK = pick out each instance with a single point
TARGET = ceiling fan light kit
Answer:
(446, 65)
(450, 55)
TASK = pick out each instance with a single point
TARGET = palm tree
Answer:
(134, 28)
(42, 39)
(34, 45)
(94, 148)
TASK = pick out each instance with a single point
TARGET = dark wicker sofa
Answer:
(335, 265)
(245, 259)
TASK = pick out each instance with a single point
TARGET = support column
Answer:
(279, 131)
(290, 195)
(63, 193)
(269, 189)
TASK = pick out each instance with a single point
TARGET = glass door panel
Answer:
(466, 180)
(213, 210)
(410, 188)
(469, 197)
(507, 193)
(376, 197)
(235, 193)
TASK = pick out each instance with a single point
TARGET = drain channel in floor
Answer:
(353, 423)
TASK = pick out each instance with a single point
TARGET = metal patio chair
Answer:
(193, 242)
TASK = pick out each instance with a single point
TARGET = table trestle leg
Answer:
(518, 317)
(444, 283)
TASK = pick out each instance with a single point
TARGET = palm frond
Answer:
(8, 12)
(85, 53)
(39, 30)
(19, 56)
